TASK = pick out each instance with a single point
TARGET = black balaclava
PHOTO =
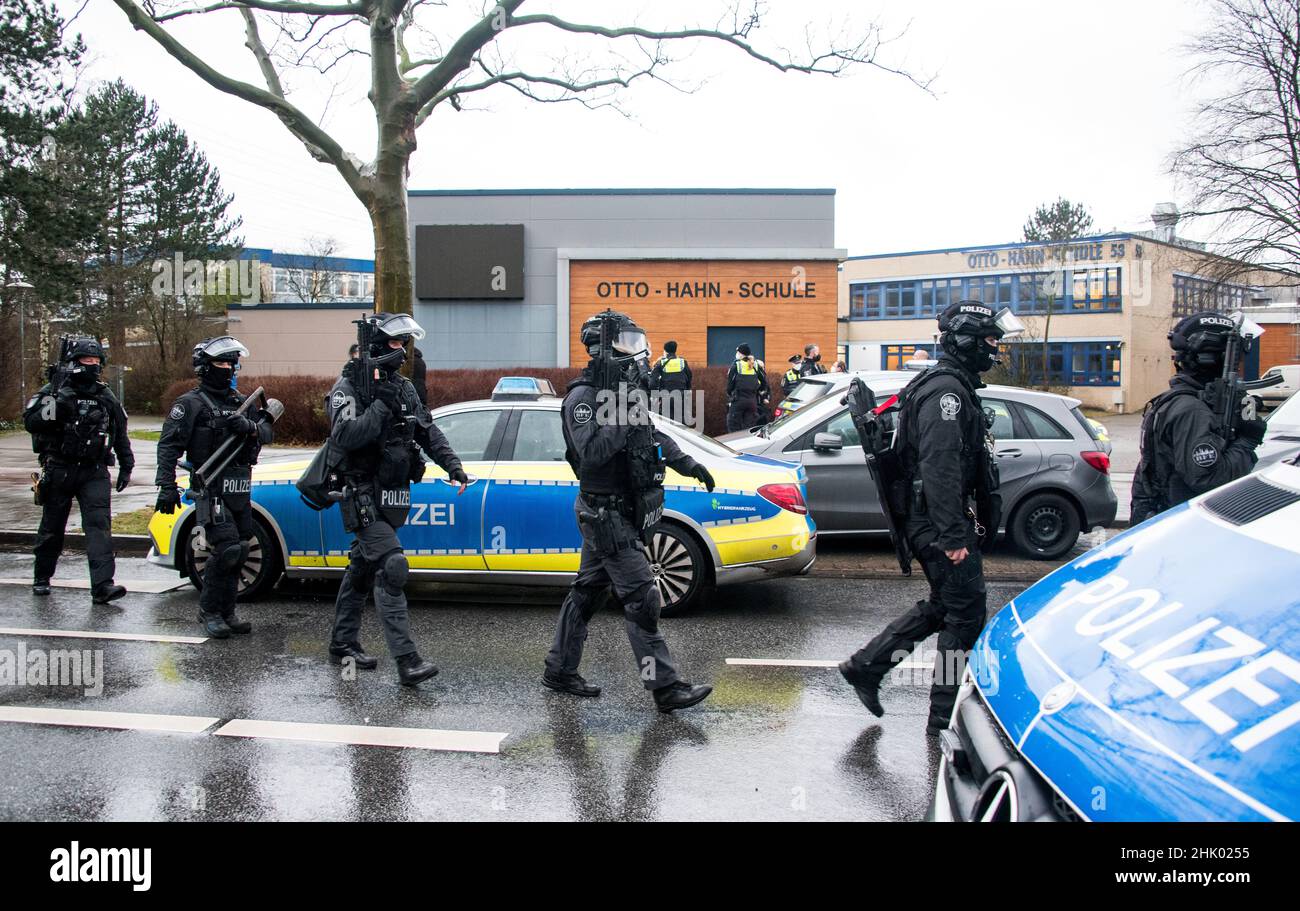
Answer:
(964, 326)
(217, 376)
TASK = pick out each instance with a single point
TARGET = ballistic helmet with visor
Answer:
(392, 327)
(84, 346)
(1200, 341)
(966, 328)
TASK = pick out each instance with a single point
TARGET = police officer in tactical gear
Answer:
(811, 364)
(746, 387)
(200, 423)
(946, 455)
(1184, 451)
(380, 425)
(619, 459)
(77, 427)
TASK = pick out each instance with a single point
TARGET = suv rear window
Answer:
(1086, 424)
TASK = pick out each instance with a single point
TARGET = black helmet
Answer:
(392, 327)
(77, 347)
(615, 336)
(216, 360)
(965, 325)
(1200, 342)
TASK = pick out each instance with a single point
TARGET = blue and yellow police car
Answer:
(1155, 678)
(514, 524)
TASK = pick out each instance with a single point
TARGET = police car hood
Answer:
(1158, 676)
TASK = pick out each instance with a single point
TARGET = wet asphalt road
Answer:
(771, 743)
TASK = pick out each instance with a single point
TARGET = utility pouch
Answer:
(358, 508)
(418, 466)
(648, 511)
(600, 527)
(209, 510)
(394, 466)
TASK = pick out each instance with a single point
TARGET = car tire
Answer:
(1045, 526)
(260, 572)
(680, 569)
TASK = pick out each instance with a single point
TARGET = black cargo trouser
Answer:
(956, 610)
(90, 486)
(228, 529)
(742, 414)
(375, 563)
(612, 557)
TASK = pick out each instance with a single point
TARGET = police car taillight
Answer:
(788, 496)
(1098, 460)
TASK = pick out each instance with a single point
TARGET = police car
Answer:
(514, 524)
(1156, 677)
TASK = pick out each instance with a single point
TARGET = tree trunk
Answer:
(394, 288)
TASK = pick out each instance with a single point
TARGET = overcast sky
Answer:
(1031, 100)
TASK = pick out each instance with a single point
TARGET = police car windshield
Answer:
(686, 437)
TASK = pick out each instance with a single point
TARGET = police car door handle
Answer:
(1009, 453)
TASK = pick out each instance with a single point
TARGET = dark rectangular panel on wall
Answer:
(469, 262)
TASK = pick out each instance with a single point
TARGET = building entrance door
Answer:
(724, 339)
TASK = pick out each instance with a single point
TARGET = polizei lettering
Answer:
(236, 485)
(76, 864)
(398, 499)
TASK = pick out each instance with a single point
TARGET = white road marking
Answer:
(909, 664)
(125, 721)
(366, 735)
(89, 634)
(132, 586)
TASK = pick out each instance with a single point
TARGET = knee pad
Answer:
(232, 556)
(394, 572)
(642, 608)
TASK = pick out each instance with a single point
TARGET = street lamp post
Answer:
(22, 288)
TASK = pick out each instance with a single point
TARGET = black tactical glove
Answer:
(386, 393)
(238, 425)
(458, 475)
(123, 479)
(1252, 431)
(169, 499)
(65, 405)
(701, 474)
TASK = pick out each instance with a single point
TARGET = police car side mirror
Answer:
(828, 442)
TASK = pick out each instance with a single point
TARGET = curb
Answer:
(123, 545)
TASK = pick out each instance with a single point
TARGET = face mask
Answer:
(85, 374)
(219, 376)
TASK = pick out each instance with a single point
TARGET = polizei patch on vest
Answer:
(950, 405)
(1205, 455)
(582, 413)
(236, 485)
(177, 413)
(394, 498)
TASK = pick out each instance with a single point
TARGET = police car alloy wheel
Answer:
(260, 571)
(678, 566)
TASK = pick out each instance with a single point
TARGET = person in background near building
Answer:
(671, 375)
(420, 377)
(620, 462)
(918, 357)
(839, 367)
(946, 456)
(382, 436)
(746, 385)
(811, 365)
(77, 425)
(791, 377)
(198, 425)
(1182, 450)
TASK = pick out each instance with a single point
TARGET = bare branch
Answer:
(461, 54)
(270, 6)
(253, 41)
(320, 144)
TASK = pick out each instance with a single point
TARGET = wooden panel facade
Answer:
(796, 303)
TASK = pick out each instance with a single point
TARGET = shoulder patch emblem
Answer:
(338, 399)
(177, 413)
(950, 404)
(1205, 455)
(582, 413)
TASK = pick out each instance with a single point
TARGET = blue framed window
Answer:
(1192, 295)
(1097, 290)
(1066, 363)
(893, 357)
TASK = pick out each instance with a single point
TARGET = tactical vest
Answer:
(206, 438)
(87, 438)
(1157, 495)
(746, 379)
(673, 370)
(791, 377)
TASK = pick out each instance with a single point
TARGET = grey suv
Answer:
(1055, 472)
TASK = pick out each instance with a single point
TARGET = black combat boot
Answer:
(340, 653)
(106, 593)
(681, 695)
(573, 684)
(215, 625)
(236, 625)
(866, 686)
(41, 587)
(412, 669)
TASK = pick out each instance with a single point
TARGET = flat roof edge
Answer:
(636, 191)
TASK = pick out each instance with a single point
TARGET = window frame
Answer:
(495, 443)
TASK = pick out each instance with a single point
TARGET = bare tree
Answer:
(312, 277)
(413, 71)
(1242, 164)
(1055, 225)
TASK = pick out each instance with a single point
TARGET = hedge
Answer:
(305, 423)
